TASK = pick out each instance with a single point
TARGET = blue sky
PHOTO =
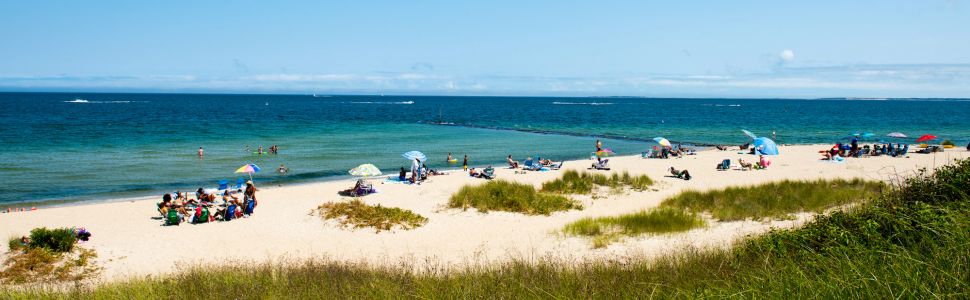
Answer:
(570, 48)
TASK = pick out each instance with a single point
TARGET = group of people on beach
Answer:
(840, 151)
(180, 207)
(419, 172)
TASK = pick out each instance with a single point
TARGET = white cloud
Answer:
(787, 55)
(940, 80)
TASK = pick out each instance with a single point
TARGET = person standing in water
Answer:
(449, 157)
(464, 165)
(282, 169)
(260, 151)
(599, 146)
(201, 152)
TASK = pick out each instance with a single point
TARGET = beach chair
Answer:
(250, 207)
(601, 165)
(239, 183)
(555, 166)
(364, 188)
(724, 165)
(532, 165)
(223, 185)
(230, 213)
(488, 173)
(647, 154)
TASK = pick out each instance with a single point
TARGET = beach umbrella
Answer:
(749, 134)
(248, 168)
(662, 141)
(926, 137)
(765, 146)
(411, 155)
(896, 135)
(863, 135)
(604, 153)
(365, 170)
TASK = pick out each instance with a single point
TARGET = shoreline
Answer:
(131, 243)
(277, 182)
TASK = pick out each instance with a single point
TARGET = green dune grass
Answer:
(776, 199)
(604, 230)
(510, 196)
(573, 182)
(358, 214)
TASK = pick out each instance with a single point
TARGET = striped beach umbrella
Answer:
(411, 155)
(248, 168)
(662, 141)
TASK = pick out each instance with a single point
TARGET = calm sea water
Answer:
(84, 147)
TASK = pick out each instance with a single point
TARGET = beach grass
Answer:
(909, 242)
(512, 197)
(605, 230)
(357, 214)
(776, 200)
(574, 182)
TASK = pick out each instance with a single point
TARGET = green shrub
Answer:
(776, 199)
(509, 196)
(359, 215)
(56, 240)
(659, 220)
(14, 244)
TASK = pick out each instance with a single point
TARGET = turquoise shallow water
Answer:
(83, 147)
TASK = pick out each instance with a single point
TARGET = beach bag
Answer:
(230, 213)
(172, 218)
(203, 215)
(250, 206)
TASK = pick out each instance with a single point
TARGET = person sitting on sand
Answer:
(512, 163)
(763, 162)
(745, 165)
(680, 174)
(473, 173)
(403, 175)
(165, 204)
(720, 147)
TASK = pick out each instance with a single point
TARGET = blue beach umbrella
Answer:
(412, 155)
(749, 134)
(765, 146)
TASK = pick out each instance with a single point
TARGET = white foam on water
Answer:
(582, 103)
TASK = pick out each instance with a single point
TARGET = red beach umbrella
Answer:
(926, 137)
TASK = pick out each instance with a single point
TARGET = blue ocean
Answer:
(67, 147)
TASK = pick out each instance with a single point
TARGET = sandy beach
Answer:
(130, 242)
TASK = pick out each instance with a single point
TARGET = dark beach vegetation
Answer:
(49, 257)
(604, 230)
(775, 200)
(910, 241)
(573, 182)
(510, 196)
(357, 214)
